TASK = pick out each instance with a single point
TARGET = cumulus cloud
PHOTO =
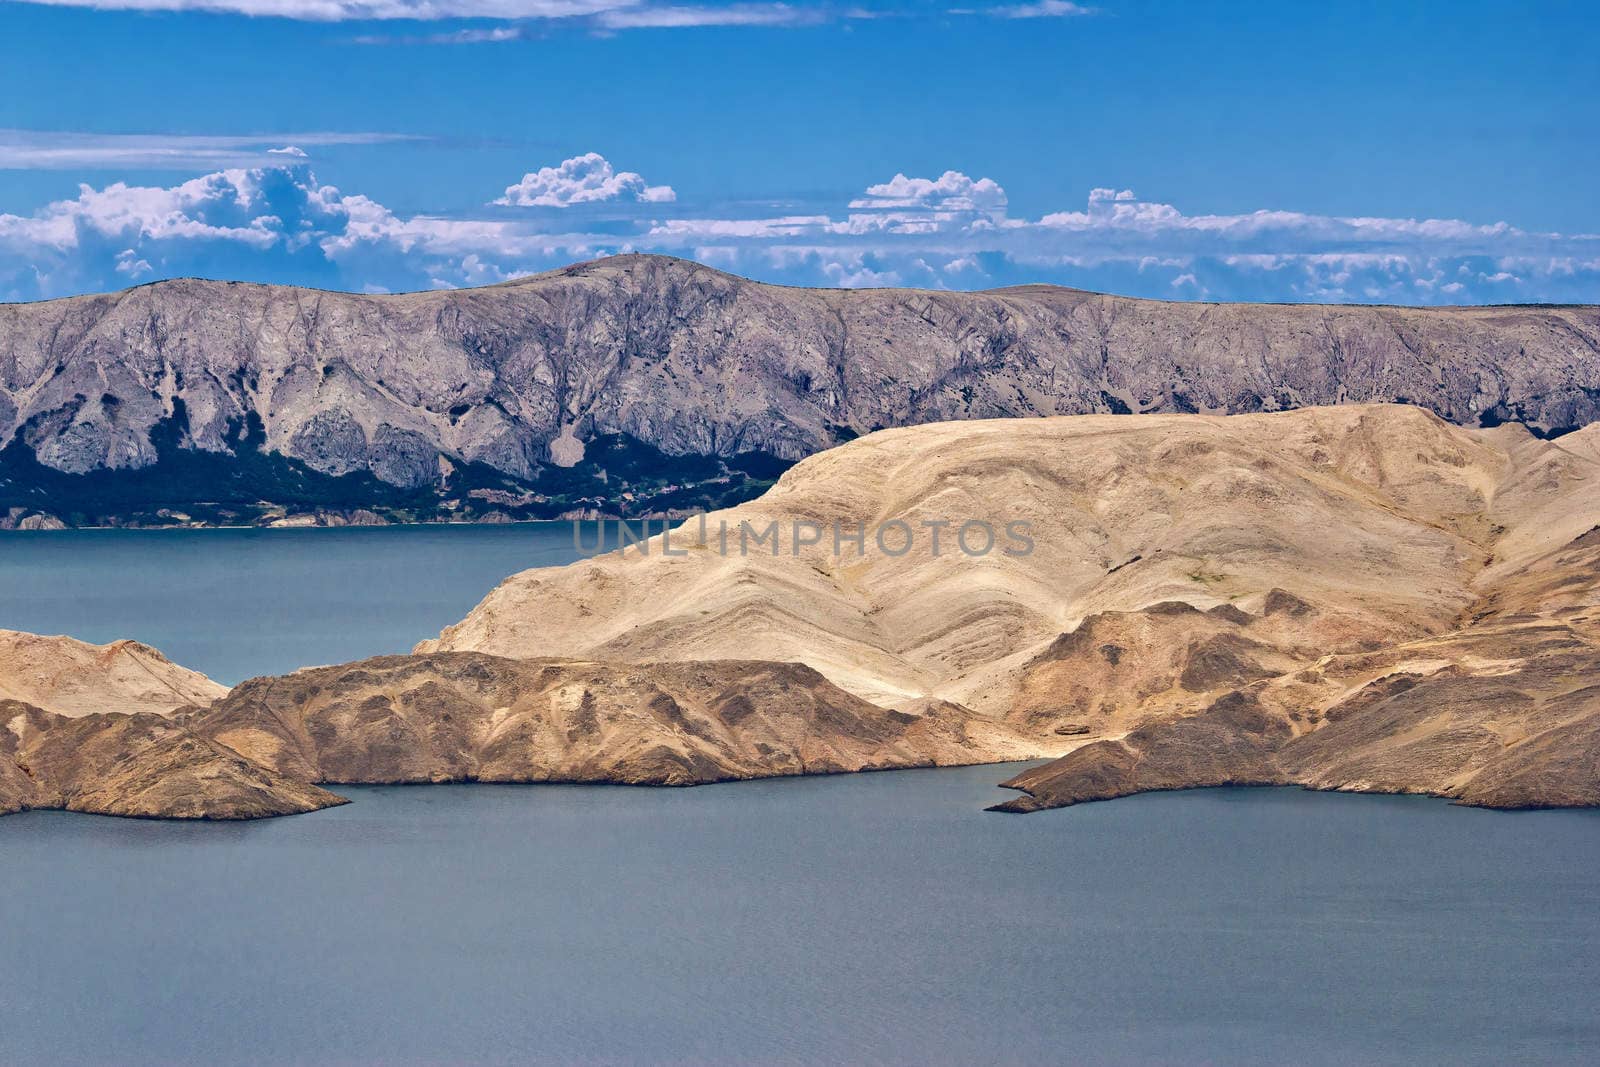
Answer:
(584, 179)
(951, 191)
(278, 222)
(129, 263)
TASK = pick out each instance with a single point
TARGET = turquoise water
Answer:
(235, 604)
(879, 918)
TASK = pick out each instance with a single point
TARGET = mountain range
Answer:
(646, 385)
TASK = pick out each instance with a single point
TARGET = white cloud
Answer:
(129, 263)
(531, 19)
(1043, 9)
(673, 16)
(365, 10)
(221, 206)
(746, 229)
(584, 179)
(600, 15)
(951, 191)
(493, 35)
(279, 223)
(855, 274)
(75, 150)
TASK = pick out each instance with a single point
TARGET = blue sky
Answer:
(1429, 153)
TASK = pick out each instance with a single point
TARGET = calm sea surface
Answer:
(239, 603)
(879, 918)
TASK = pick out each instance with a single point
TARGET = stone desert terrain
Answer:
(1362, 597)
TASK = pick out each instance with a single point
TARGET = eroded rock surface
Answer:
(70, 677)
(472, 717)
(142, 765)
(1357, 598)
(692, 361)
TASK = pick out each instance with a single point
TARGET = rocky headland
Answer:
(95, 728)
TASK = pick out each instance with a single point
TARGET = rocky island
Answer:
(1361, 598)
(98, 729)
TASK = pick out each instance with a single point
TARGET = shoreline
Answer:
(643, 787)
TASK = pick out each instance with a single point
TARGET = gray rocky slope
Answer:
(517, 378)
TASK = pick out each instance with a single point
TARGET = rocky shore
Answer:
(1360, 598)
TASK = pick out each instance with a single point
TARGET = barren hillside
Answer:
(646, 384)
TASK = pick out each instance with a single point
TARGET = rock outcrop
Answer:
(1503, 713)
(143, 765)
(1355, 598)
(468, 717)
(410, 403)
(1360, 598)
(471, 717)
(71, 678)
(96, 728)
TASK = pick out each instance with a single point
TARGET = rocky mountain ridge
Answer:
(651, 385)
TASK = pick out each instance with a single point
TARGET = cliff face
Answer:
(392, 400)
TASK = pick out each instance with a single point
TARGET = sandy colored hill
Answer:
(1502, 712)
(1197, 584)
(472, 717)
(1363, 598)
(95, 728)
(141, 765)
(1382, 516)
(70, 677)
